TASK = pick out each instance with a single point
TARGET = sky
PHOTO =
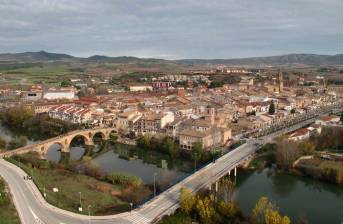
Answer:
(172, 29)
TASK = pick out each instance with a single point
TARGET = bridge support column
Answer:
(235, 171)
(216, 186)
(229, 172)
(210, 187)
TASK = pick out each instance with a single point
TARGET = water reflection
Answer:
(114, 162)
(283, 184)
(295, 196)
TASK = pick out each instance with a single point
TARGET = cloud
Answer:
(172, 29)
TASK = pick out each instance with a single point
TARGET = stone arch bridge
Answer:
(63, 140)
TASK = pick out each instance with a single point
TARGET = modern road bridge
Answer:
(33, 208)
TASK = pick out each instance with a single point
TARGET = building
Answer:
(328, 120)
(140, 88)
(153, 123)
(59, 94)
(213, 137)
(127, 119)
(39, 108)
(161, 85)
(300, 134)
(69, 113)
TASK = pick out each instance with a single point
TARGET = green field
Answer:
(104, 198)
(37, 74)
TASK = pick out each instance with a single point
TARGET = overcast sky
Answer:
(172, 29)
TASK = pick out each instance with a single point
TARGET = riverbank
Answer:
(64, 185)
(8, 212)
(324, 170)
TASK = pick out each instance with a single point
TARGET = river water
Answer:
(319, 202)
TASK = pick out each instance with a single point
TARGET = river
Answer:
(296, 196)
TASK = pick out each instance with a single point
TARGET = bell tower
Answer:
(280, 79)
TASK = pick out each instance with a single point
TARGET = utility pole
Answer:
(155, 184)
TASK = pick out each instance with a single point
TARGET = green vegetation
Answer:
(218, 207)
(285, 152)
(17, 142)
(331, 171)
(124, 179)
(40, 126)
(3, 143)
(216, 84)
(268, 213)
(271, 110)
(168, 146)
(8, 213)
(105, 196)
(36, 73)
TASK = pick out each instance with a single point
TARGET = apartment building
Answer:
(153, 123)
(73, 114)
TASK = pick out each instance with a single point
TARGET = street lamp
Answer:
(131, 204)
(80, 199)
(155, 184)
(195, 162)
(89, 214)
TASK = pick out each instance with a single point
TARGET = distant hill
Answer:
(305, 59)
(34, 56)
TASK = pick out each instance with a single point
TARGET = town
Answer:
(171, 112)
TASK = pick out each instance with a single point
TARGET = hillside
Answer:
(289, 59)
(306, 59)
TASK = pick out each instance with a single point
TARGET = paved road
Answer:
(32, 207)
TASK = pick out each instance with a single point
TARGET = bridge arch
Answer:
(87, 140)
(102, 134)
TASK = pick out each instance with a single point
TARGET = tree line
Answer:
(219, 208)
(36, 126)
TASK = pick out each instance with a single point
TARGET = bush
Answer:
(17, 142)
(124, 179)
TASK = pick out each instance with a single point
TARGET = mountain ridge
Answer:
(306, 59)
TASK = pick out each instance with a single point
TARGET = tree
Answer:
(271, 110)
(2, 143)
(187, 200)
(169, 147)
(226, 190)
(17, 142)
(144, 142)
(286, 153)
(65, 83)
(306, 147)
(197, 150)
(205, 209)
(266, 212)
(341, 118)
(293, 111)
(227, 209)
(216, 84)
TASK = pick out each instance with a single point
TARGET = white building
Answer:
(140, 88)
(59, 94)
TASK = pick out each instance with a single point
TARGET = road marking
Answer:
(37, 220)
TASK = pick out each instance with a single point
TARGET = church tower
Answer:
(280, 79)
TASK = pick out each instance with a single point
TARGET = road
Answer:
(32, 207)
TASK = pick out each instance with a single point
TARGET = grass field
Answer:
(8, 213)
(104, 198)
(47, 74)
